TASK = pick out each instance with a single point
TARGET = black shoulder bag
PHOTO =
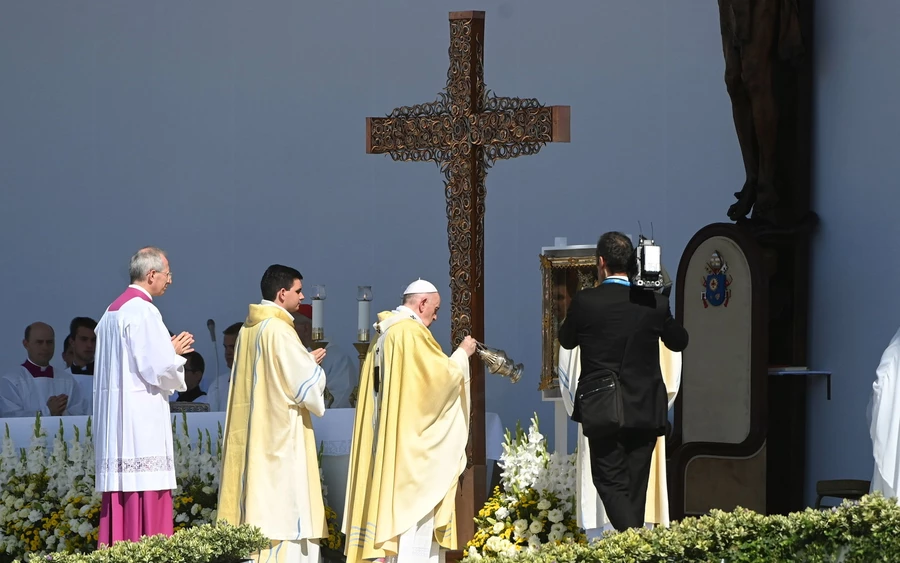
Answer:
(598, 403)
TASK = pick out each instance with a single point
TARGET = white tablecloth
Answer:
(333, 432)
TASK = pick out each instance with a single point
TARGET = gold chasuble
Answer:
(409, 439)
(270, 473)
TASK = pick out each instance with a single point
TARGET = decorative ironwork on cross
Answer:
(465, 130)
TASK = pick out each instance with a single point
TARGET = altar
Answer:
(333, 436)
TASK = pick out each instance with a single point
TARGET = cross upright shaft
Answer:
(465, 130)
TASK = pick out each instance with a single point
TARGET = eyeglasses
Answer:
(168, 274)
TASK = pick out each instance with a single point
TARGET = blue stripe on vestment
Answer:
(301, 393)
(564, 379)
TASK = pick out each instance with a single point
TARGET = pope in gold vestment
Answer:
(270, 472)
(409, 440)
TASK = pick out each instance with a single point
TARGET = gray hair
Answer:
(413, 298)
(144, 260)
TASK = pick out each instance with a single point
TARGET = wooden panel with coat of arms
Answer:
(718, 449)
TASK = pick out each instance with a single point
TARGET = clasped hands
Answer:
(57, 404)
(183, 343)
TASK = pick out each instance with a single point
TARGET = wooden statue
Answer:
(760, 39)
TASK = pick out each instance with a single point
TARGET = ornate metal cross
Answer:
(465, 131)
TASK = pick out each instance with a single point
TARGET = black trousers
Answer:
(620, 469)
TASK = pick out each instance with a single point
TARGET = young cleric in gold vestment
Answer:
(409, 438)
(270, 471)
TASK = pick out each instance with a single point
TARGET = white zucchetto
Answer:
(420, 286)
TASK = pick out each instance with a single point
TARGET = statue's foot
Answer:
(769, 208)
(767, 196)
(749, 186)
(776, 216)
(746, 199)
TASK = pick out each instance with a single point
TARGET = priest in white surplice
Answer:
(884, 421)
(590, 513)
(138, 365)
(270, 469)
(35, 386)
(83, 341)
(409, 438)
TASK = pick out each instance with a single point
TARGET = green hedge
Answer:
(866, 531)
(209, 543)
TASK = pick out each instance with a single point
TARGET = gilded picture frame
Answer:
(564, 271)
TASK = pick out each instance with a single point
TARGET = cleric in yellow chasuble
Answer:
(270, 470)
(409, 438)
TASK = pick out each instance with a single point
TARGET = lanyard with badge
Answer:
(619, 281)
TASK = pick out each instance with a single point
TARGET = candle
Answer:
(364, 297)
(364, 310)
(318, 314)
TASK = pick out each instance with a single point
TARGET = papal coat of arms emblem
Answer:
(717, 282)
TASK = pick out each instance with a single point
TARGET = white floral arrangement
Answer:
(197, 468)
(47, 498)
(535, 504)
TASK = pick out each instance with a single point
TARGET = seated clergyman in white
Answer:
(194, 367)
(82, 342)
(217, 393)
(35, 386)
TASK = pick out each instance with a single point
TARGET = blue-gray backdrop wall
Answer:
(232, 135)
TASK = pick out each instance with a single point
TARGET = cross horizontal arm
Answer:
(414, 138)
(510, 127)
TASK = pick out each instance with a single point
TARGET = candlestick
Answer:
(361, 348)
(318, 312)
(364, 297)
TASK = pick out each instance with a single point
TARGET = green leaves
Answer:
(218, 543)
(867, 531)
